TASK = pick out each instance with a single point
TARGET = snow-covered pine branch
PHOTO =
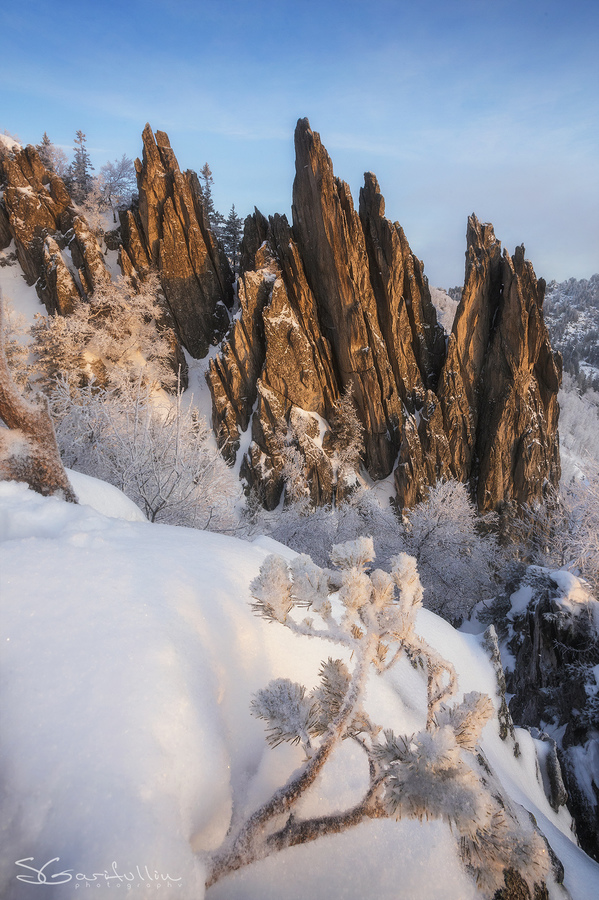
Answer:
(432, 774)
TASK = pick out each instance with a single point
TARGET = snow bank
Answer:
(129, 659)
(103, 497)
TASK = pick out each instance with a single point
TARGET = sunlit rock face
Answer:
(37, 213)
(339, 299)
(498, 387)
(336, 301)
(169, 231)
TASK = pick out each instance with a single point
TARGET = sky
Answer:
(458, 106)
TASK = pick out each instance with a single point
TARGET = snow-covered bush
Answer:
(431, 774)
(15, 348)
(454, 549)
(163, 456)
(565, 533)
(314, 530)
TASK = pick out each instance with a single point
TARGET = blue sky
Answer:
(458, 106)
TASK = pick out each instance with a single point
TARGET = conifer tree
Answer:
(216, 220)
(232, 233)
(53, 158)
(45, 148)
(80, 179)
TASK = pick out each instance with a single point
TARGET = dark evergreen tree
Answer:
(232, 233)
(216, 220)
(206, 183)
(46, 152)
(53, 158)
(80, 179)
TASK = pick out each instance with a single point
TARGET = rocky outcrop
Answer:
(553, 643)
(344, 301)
(332, 245)
(275, 364)
(169, 230)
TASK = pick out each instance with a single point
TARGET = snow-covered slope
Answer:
(129, 659)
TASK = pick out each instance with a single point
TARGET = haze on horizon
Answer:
(458, 106)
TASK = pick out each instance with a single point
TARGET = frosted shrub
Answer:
(436, 773)
(455, 559)
(163, 456)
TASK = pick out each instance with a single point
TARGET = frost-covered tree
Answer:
(117, 183)
(53, 158)
(113, 338)
(161, 454)
(564, 533)
(16, 350)
(454, 548)
(28, 449)
(315, 529)
(439, 772)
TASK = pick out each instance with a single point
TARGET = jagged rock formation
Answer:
(335, 302)
(54, 245)
(169, 230)
(340, 299)
(38, 214)
(498, 388)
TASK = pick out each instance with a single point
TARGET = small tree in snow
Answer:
(432, 774)
(53, 158)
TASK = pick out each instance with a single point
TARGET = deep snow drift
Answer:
(129, 659)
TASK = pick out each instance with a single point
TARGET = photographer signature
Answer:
(40, 876)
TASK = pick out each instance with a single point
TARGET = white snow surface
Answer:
(129, 659)
(103, 497)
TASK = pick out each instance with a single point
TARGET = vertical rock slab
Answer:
(331, 243)
(459, 383)
(172, 232)
(58, 288)
(415, 341)
(233, 374)
(498, 388)
(517, 439)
